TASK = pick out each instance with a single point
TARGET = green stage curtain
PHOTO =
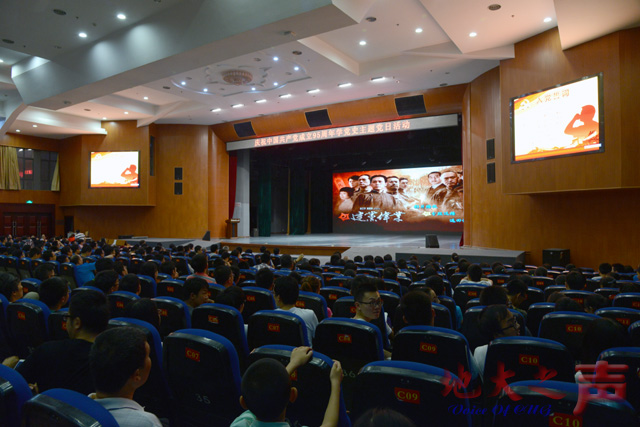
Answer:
(264, 197)
(297, 201)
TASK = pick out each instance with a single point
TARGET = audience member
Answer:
(567, 304)
(44, 271)
(414, 309)
(10, 287)
(143, 309)
(200, 266)
(474, 275)
(130, 283)
(195, 292)
(224, 276)
(107, 281)
(495, 321)
(264, 279)
(286, 293)
(54, 292)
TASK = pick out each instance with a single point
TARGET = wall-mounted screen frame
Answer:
(114, 169)
(564, 120)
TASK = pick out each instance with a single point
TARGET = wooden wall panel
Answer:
(540, 63)
(218, 186)
(629, 93)
(597, 226)
(438, 101)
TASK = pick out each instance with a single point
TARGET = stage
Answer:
(322, 246)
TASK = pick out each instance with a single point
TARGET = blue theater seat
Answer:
(498, 279)
(24, 268)
(610, 294)
(66, 271)
(246, 275)
(627, 299)
(629, 356)
(30, 284)
(312, 382)
(443, 316)
(463, 293)
(14, 392)
(474, 302)
(534, 296)
(58, 407)
(118, 300)
(27, 324)
(333, 293)
(170, 288)
(455, 279)
(256, 299)
(174, 315)
(338, 281)
(276, 327)
(204, 375)
(390, 300)
(535, 313)
(551, 289)
(623, 315)
(634, 334)
(415, 390)
(344, 307)
(226, 321)
(542, 282)
(566, 327)
(148, 286)
(58, 324)
(537, 409)
(313, 301)
(577, 296)
(393, 286)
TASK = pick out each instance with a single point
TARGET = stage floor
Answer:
(350, 245)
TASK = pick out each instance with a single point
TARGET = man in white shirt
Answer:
(286, 294)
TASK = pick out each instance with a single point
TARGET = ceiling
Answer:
(192, 61)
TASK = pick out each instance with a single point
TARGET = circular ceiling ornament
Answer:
(237, 77)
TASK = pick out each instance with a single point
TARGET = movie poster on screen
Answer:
(399, 200)
(114, 169)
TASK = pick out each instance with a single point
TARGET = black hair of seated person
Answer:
(43, 271)
(92, 308)
(103, 264)
(463, 266)
(193, 286)
(474, 272)
(595, 302)
(515, 287)
(390, 273)
(402, 264)
(492, 295)
(591, 285)
(222, 274)
(349, 273)
(115, 355)
(361, 285)
(455, 257)
(358, 258)
(617, 267)
(568, 304)
(600, 335)
(378, 260)
(106, 280)
(287, 289)
(387, 257)
(315, 262)
(266, 389)
(47, 255)
(518, 265)
(604, 268)
(119, 267)
(630, 287)
(217, 262)
(233, 296)
(575, 280)
(296, 276)
(167, 267)
(436, 282)
(414, 309)
(199, 263)
(608, 282)
(489, 321)
(383, 417)
(264, 278)
(149, 268)
(311, 284)
(52, 290)
(143, 309)
(369, 264)
(540, 271)
(526, 279)
(497, 268)
(561, 279)
(304, 266)
(286, 261)
(130, 283)
(368, 258)
(350, 265)
(265, 257)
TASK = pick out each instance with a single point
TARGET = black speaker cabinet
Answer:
(410, 105)
(491, 173)
(555, 257)
(318, 118)
(491, 149)
(244, 129)
(431, 241)
(207, 236)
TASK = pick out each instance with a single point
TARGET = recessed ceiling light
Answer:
(104, 118)
(121, 16)
(215, 110)
(344, 85)
(296, 68)
(418, 30)
(547, 19)
(1, 61)
(83, 35)
(145, 98)
(275, 58)
(473, 34)
(313, 91)
(363, 42)
(18, 130)
(126, 112)
(275, 83)
(205, 90)
(237, 105)
(35, 126)
(183, 83)
(260, 101)
(253, 88)
(286, 95)
(377, 79)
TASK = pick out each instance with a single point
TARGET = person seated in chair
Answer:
(10, 287)
(200, 265)
(107, 281)
(195, 292)
(54, 292)
(130, 283)
(150, 269)
(414, 309)
(264, 279)
(474, 276)
(286, 292)
(224, 276)
(495, 321)
(120, 364)
(266, 391)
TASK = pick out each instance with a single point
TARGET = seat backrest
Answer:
(566, 327)
(418, 391)
(312, 382)
(353, 342)
(65, 408)
(223, 320)
(431, 345)
(66, 270)
(276, 327)
(551, 289)
(118, 300)
(174, 315)
(204, 375)
(627, 299)
(135, 264)
(338, 281)
(14, 392)
(368, 272)
(24, 267)
(393, 286)
(333, 293)
(170, 288)
(455, 279)
(610, 294)
(473, 302)
(215, 289)
(526, 358)
(181, 264)
(30, 284)
(154, 395)
(58, 324)
(313, 301)
(27, 323)
(12, 265)
(466, 291)
(623, 315)
(256, 299)
(629, 356)
(634, 334)
(246, 275)
(148, 286)
(443, 316)
(577, 296)
(541, 282)
(535, 313)
(390, 300)
(344, 307)
(559, 411)
(534, 295)
(498, 279)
